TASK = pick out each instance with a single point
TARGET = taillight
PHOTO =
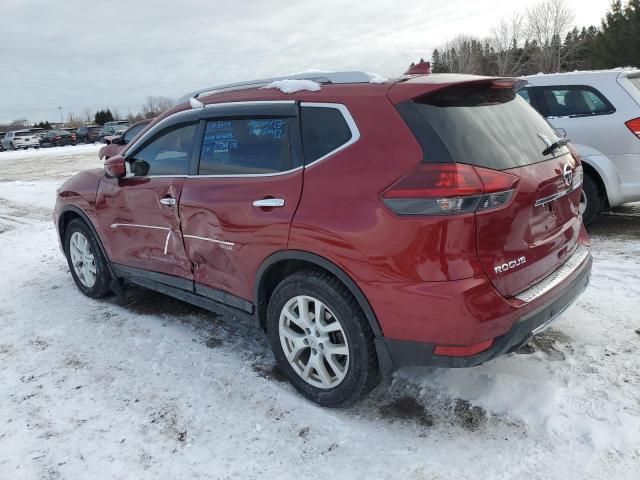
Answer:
(634, 126)
(446, 189)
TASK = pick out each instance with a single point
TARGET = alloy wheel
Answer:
(314, 342)
(82, 259)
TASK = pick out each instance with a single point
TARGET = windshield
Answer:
(489, 127)
(23, 134)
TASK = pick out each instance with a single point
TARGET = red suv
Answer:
(429, 220)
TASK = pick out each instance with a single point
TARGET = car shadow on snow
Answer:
(398, 400)
(621, 223)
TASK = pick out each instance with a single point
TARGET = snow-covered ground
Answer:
(154, 388)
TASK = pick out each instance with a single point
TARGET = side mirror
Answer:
(115, 166)
(117, 141)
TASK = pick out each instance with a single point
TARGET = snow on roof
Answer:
(586, 72)
(292, 86)
(375, 78)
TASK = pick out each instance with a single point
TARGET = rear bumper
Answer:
(394, 354)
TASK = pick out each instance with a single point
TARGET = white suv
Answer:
(600, 112)
(20, 139)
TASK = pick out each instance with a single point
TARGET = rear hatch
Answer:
(484, 124)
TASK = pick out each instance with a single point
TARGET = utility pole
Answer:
(61, 117)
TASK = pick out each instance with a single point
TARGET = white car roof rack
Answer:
(318, 76)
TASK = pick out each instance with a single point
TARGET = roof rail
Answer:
(318, 76)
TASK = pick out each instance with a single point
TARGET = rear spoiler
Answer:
(624, 79)
(417, 86)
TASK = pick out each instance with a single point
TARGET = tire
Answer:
(350, 376)
(12, 146)
(593, 198)
(99, 287)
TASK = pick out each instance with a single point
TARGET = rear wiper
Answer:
(556, 145)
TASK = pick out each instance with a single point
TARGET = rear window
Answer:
(23, 134)
(324, 130)
(479, 125)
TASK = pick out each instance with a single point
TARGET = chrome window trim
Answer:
(551, 281)
(189, 112)
(251, 102)
(344, 111)
(155, 129)
(355, 132)
(249, 175)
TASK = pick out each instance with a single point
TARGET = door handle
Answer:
(269, 202)
(170, 201)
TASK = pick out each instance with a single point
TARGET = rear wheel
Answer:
(321, 339)
(590, 201)
(88, 266)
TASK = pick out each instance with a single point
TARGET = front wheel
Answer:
(321, 339)
(88, 266)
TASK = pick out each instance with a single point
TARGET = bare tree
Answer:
(73, 120)
(19, 123)
(156, 105)
(87, 115)
(547, 25)
(506, 41)
(460, 54)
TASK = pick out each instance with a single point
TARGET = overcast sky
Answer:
(94, 54)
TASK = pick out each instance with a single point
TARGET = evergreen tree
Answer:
(103, 116)
(617, 43)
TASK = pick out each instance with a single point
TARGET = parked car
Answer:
(69, 129)
(114, 144)
(431, 220)
(1, 145)
(89, 134)
(58, 138)
(600, 113)
(114, 128)
(20, 139)
(37, 131)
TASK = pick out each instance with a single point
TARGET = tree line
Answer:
(153, 106)
(544, 39)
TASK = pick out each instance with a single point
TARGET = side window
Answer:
(575, 101)
(246, 146)
(168, 153)
(324, 129)
(132, 132)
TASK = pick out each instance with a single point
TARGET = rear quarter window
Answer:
(324, 130)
